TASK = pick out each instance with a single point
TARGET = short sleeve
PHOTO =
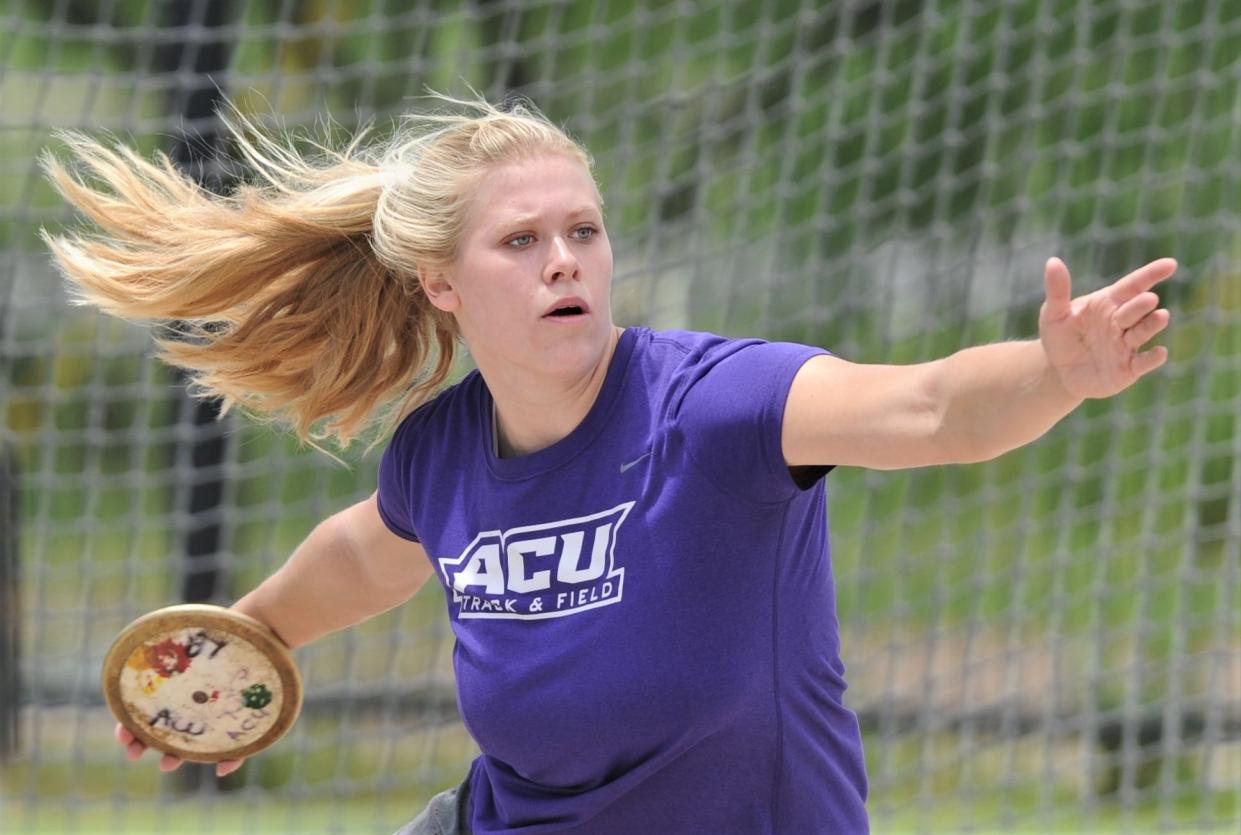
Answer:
(732, 416)
(395, 471)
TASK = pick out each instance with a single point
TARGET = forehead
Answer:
(542, 186)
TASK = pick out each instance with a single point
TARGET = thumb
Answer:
(1059, 288)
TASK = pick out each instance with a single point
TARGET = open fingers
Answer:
(1134, 310)
(1148, 361)
(1143, 331)
(1142, 279)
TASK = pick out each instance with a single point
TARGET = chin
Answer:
(577, 352)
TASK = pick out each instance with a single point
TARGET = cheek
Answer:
(602, 252)
(497, 288)
(601, 266)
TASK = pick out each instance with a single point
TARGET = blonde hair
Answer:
(299, 291)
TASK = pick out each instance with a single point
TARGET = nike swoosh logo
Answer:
(634, 462)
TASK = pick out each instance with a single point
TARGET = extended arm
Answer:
(979, 402)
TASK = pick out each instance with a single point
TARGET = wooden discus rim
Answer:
(203, 616)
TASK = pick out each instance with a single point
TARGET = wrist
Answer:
(1050, 382)
(249, 606)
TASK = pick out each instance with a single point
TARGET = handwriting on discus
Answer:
(202, 693)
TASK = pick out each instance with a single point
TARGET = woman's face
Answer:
(531, 284)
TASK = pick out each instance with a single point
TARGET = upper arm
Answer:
(390, 562)
(882, 417)
(729, 404)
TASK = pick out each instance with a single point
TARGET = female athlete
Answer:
(628, 525)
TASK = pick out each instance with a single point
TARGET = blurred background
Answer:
(1047, 642)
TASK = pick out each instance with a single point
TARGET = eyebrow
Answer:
(526, 220)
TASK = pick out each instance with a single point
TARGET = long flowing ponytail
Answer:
(299, 292)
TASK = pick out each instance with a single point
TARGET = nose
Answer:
(561, 262)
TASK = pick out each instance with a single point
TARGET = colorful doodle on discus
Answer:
(202, 689)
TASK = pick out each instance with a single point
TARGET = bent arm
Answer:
(350, 568)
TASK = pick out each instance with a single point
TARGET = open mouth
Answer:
(567, 308)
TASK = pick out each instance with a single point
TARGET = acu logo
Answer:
(539, 571)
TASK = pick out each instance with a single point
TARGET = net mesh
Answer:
(1051, 640)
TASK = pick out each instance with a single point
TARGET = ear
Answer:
(439, 289)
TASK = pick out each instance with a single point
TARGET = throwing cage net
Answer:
(1048, 641)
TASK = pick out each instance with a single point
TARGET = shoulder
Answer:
(683, 344)
(726, 398)
(699, 349)
(451, 412)
(682, 354)
(698, 363)
(439, 426)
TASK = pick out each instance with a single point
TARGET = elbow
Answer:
(953, 438)
(389, 588)
(958, 441)
(962, 443)
(977, 452)
(377, 578)
(952, 447)
(405, 587)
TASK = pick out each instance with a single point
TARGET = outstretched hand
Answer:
(1094, 342)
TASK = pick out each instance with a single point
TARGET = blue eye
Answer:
(588, 230)
(521, 240)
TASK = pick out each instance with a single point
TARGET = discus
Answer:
(202, 683)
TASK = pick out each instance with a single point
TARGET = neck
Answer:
(532, 414)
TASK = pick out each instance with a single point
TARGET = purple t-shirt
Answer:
(645, 620)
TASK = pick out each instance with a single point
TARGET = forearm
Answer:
(994, 398)
(323, 587)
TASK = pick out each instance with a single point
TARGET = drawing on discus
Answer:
(204, 697)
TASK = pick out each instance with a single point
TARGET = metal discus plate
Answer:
(202, 682)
